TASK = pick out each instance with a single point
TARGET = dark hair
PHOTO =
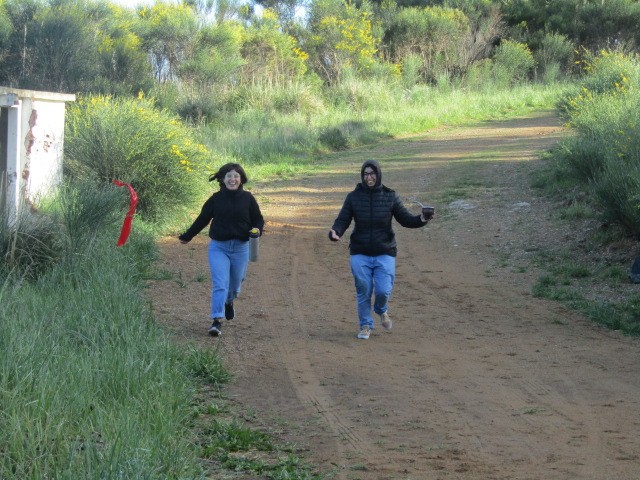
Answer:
(226, 168)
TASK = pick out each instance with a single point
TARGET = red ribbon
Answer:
(128, 219)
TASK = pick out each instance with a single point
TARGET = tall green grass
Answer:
(276, 142)
(89, 386)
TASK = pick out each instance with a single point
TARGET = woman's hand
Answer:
(333, 236)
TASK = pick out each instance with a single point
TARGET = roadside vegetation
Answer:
(90, 386)
(596, 175)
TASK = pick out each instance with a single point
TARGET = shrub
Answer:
(29, 246)
(605, 154)
(609, 72)
(411, 65)
(554, 56)
(512, 63)
(62, 229)
(130, 140)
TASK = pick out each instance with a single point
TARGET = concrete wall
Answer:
(34, 144)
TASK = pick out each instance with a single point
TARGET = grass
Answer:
(288, 144)
(573, 278)
(89, 385)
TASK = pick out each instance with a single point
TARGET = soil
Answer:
(477, 380)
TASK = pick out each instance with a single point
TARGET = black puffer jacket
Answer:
(372, 209)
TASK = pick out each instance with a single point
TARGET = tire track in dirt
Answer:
(298, 359)
(311, 390)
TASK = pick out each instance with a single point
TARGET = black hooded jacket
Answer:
(372, 209)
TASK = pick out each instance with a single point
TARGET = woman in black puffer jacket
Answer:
(372, 245)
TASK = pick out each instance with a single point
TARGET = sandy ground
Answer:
(477, 380)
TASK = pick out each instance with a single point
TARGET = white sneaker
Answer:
(386, 322)
(364, 333)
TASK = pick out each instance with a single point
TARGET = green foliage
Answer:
(65, 226)
(79, 346)
(432, 33)
(131, 141)
(234, 437)
(167, 30)
(512, 63)
(554, 56)
(62, 48)
(30, 245)
(124, 65)
(593, 24)
(342, 38)
(605, 154)
(270, 56)
(6, 28)
(206, 364)
(411, 66)
(215, 57)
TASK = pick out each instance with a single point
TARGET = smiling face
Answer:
(370, 176)
(232, 180)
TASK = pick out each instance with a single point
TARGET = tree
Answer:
(167, 31)
(593, 24)
(124, 65)
(342, 37)
(215, 55)
(286, 10)
(270, 55)
(435, 34)
(59, 50)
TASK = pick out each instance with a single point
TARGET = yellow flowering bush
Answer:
(605, 152)
(130, 140)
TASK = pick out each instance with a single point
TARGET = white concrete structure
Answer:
(31, 144)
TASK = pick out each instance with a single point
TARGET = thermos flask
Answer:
(254, 244)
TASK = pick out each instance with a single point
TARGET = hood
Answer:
(373, 164)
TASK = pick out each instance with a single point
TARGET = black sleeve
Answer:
(206, 214)
(344, 217)
(404, 216)
(256, 215)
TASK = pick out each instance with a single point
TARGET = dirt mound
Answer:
(477, 380)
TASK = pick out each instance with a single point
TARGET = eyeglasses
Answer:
(369, 174)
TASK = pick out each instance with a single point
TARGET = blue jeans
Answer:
(372, 275)
(228, 265)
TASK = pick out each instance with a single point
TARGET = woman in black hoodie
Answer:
(372, 245)
(232, 212)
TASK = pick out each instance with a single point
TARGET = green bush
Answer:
(134, 142)
(411, 65)
(512, 63)
(610, 72)
(62, 229)
(29, 246)
(605, 153)
(554, 56)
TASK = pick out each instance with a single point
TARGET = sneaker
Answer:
(364, 333)
(216, 328)
(229, 312)
(386, 322)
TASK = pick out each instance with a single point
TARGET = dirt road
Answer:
(477, 380)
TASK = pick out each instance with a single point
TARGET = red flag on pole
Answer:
(128, 219)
